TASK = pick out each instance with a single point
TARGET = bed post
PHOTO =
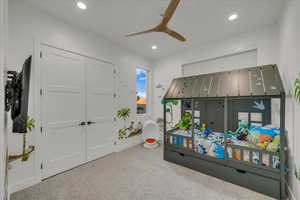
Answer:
(165, 137)
(225, 126)
(283, 148)
(193, 125)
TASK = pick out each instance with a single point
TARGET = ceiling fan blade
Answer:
(170, 12)
(175, 35)
(139, 33)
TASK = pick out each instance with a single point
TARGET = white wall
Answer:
(244, 59)
(289, 62)
(27, 23)
(264, 40)
(3, 132)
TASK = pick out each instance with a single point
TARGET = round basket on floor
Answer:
(151, 135)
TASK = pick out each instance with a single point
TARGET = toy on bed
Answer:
(274, 145)
(265, 138)
(185, 122)
(242, 132)
(198, 125)
(206, 132)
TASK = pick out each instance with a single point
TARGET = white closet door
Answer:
(62, 110)
(100, 108)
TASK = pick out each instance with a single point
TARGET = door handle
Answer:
(90, 123)
(81, 124)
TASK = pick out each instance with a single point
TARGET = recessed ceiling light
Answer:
(81, 5)
(233, 17)
(154, 47)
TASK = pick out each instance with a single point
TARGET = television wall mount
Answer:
(10, 89)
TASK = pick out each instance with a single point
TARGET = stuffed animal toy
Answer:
(242, 132)
(264, 138)
(274, 145)
(185, 122)
(263, 145)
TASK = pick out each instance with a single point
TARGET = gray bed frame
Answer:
(262, 82)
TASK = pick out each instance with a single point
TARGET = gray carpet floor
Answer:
(135, 174)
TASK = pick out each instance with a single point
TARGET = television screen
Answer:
(19, 107)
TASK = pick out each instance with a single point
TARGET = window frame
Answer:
(250, 121)
(148, 93)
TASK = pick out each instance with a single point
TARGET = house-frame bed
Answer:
(221, 100)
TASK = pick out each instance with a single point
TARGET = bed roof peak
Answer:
(255, 81)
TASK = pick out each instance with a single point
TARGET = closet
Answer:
(77, 105)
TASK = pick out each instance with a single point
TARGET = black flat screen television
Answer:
(19, 107)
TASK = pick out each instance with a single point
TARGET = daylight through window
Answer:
(141, 90)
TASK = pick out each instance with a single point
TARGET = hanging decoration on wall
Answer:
(297, 98)
(134, 128)
(123, 114)
(297, 89)
(25, 152)
(259, 106)
(161, 88)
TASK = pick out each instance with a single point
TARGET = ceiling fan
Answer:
(162, 27)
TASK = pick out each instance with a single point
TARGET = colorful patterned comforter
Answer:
(213, 145)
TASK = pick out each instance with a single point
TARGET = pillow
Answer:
(260, 134)
(265, 130)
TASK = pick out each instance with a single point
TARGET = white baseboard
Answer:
(290, 193)
(22, 185)
(127, 143)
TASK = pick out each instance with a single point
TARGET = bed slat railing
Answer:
(248, 155)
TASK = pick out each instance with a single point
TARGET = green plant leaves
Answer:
(174, 102)
(25, 157)
(297, 89)
(185, 121)
(123, 113)
(30, 123)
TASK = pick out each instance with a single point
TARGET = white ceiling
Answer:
(200, 21)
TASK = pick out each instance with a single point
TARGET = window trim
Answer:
(149, 91)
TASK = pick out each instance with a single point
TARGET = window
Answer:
(141, 91)
(253, 118)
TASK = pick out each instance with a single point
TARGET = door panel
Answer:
(99, 139)
(62, 109)
(99, 104)
(100, 108)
